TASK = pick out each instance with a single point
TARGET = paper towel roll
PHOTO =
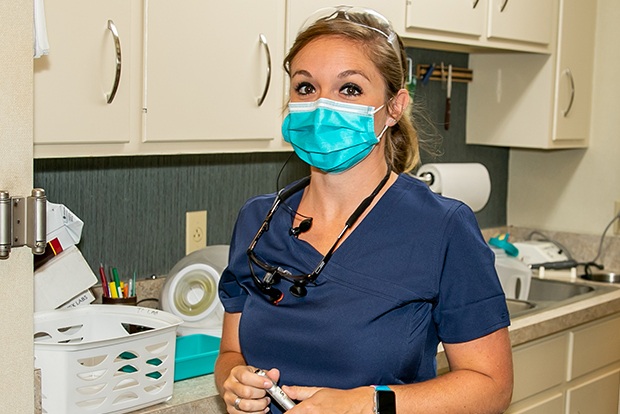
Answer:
(467, 182)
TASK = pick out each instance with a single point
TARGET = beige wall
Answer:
(16, 302)
(575, 190)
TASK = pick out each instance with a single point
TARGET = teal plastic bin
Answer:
(195, 355)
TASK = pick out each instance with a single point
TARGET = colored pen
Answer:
(133, 285)
(113, 290)
(104, 281)
(117, 282)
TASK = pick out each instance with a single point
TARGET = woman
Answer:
(354, 276)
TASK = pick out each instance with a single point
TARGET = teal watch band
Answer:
(382, 388)
(385, 400)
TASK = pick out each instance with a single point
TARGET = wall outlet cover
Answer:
(195, 230)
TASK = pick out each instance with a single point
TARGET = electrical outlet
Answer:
(617, 223)
(195, 230)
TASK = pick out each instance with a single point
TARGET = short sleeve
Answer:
(471, 302)
(232, 293)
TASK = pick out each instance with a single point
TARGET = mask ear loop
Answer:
(382, 132)
(389, 122)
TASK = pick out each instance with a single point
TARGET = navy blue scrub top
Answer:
(416, 271)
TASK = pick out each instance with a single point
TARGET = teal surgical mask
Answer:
(330, 135)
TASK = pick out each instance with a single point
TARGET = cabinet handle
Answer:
(571, 85)
(263, 42)
(504, 4)
(117, 47)
(475, 4)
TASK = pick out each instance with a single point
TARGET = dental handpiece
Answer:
(277, 394)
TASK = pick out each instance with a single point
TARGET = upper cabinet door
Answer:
(574, 71)
(521, 20)
(519, 25)
(86, 63)
(212, 70)
(465, 17)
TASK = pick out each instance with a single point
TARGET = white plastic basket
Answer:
(91, 363)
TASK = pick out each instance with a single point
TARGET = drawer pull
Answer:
(504, 4)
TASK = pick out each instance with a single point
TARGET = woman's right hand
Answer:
(245, 391)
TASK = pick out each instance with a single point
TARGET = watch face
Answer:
(386, 402)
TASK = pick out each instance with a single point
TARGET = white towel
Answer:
(41, 44)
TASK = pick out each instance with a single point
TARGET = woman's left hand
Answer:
(329, 400)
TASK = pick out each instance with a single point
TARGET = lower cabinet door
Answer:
(599, 396)
(539, 366)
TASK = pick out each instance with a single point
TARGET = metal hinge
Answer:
(23, 222)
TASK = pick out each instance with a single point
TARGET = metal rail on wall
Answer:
(434, 72)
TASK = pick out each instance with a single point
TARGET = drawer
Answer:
(594, 347)
(553, 404)
(539, 366)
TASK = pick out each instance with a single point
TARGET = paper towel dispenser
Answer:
(467, 182)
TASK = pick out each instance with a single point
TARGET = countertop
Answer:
(199, 395)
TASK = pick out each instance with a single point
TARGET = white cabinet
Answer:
(575, 371)
(72, 85)
(522, 25)
(553, 404)
(212, 71)
(197, 76)
(453, 16)
(537, 100)
(519, 25)
(539, 366)
(597, 396)
(574, 71)
(521, 20)
(193, 72)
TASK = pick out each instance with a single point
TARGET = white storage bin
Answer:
(91, 363)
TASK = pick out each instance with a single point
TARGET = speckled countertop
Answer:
(199, 395)
(190, 396)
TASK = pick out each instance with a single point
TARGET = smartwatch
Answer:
(385, 400)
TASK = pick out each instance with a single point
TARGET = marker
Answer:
(133, 286)
(117, 283)
(104, 281)
(113, 290)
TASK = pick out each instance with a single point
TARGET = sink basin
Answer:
(518, 307)
(607, 277)
(547, 294)
(544, 290)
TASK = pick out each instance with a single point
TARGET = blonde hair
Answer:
(402, 147)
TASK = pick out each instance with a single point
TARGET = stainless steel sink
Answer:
(519, 307)
(545, 290)
(546, 294)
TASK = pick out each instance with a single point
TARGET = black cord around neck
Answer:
(368, 200)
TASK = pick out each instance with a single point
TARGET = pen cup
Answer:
(130, 301)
